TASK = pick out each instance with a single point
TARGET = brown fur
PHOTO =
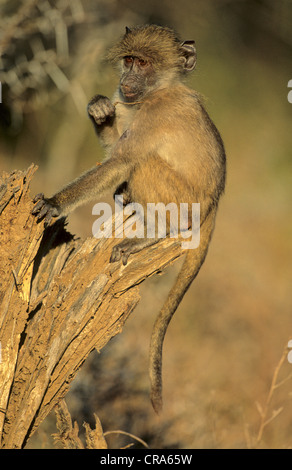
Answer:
(156, 43)
(162, 147)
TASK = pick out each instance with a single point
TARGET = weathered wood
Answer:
(59, 299)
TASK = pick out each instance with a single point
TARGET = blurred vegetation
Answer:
(229, 333)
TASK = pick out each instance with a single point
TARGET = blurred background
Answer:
(227, 337)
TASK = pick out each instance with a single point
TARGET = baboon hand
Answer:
(129, 246)
(44, 208)
(121, 252)
(100, 108)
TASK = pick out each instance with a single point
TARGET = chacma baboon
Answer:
(161, 147)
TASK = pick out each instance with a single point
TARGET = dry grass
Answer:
(264, 410)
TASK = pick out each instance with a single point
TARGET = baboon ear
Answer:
(127, 30)
(189, 55)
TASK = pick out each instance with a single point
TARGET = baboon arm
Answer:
(102, 114)
(92, 184)
(108, 136)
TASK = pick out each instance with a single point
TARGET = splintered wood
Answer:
(60, 298)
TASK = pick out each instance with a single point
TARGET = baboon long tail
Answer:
(191, 266)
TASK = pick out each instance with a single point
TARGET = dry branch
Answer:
(68, 433)
(59, 299)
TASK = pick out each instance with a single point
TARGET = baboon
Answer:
(161, 146)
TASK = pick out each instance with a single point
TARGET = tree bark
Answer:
(59, 299)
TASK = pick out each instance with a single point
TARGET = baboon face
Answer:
(137, 76)
(151, 57)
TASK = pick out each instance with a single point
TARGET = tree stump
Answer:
(59, 299)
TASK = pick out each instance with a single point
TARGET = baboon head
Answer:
(150, 57)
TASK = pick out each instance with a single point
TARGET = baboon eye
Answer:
(128, 60)
(143, 62)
